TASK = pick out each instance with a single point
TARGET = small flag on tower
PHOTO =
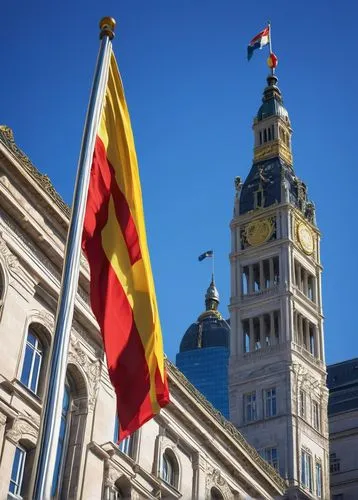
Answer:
(203, 256)
(259, 41)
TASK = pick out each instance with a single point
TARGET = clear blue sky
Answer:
(192, 96)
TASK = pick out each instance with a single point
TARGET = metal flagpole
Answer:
(51, 415)
(270, 44)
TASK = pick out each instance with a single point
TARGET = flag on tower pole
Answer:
(122, 289)
(259, 41)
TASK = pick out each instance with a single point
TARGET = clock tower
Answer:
(277, 375)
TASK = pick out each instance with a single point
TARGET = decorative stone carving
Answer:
(23, 426)
(215, 479)
(10, 259)
(111, 475)
(92, 369)
(43, 180)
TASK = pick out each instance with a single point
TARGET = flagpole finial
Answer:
(107, 26)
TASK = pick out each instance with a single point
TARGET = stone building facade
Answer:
(189, 451)
(277, 381)
(342, 382)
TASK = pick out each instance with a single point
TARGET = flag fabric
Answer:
(272, 61)
(203, 256)
(122, 288)
(259, 41)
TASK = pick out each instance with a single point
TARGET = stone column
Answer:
(251, 334)
(307, 335)
(262, 277)
(198, 488)
(262, 332)
(305, 282)
(300, 328)
(272, 328)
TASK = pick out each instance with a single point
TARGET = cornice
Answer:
(44, 182)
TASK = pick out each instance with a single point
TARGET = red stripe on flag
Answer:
(103, 180)
(262, 33)
(127, 365)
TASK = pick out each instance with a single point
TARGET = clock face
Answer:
(305, 238)
(259, 231)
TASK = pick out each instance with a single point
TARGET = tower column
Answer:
(272, 328)
(251, 334)
(262, 331)
(262, 277)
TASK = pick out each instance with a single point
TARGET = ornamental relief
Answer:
(258, 231)
(24, 427)
(215, 480)
(92, 369)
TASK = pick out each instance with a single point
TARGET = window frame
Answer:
(270, 402)
(318, 479)
(171, 475)
(306, 470)
(252, 404)
(37, 349)
(19, 474)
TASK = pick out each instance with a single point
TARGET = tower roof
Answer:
(210, 329)
(272, 102)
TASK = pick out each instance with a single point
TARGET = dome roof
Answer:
(272, 103)
(210, 330)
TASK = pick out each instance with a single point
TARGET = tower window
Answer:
(315, 415)
(246, 335)
(270, 403)
(318, 480)
(265, 135)
(256, 271)
(269, 134)
(245, 280)
(259, 199)
(271, 456)
(260, 137)
(306, 470)
(250, 407)
(273, 131)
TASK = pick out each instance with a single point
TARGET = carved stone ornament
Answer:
(259, 231)
(23, 426)
(215, 479)
(11, 260)
(111, 475)
(7, 138)
(92, 369)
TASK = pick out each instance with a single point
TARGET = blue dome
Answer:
(211, 331)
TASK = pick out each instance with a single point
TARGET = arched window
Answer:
(169, 470)
(61, 447)
(73, 427)
(32, 361)
(215, 494)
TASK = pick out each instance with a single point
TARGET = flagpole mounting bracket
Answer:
(107, 26)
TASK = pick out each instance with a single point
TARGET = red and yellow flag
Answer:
(122, 288)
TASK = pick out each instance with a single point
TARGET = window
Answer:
(32, 362)
(302, 402)
(318, 480)
(126, 446)
(61, 440)
(245, 280)
(334, 463)
(271, 456)
(17, 473)
(250, 407)
(257, 333)
(215, 494)
(306, 470)
(315, 415)
(265, 135)
(246, 333)
(259, 199)
(169, 471)
(270, 403)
